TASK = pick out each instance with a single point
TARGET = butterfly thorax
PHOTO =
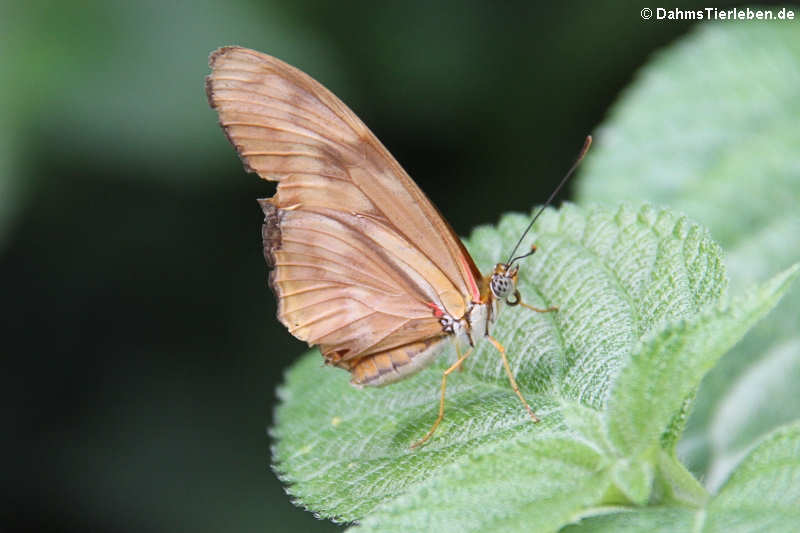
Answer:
(474, 325)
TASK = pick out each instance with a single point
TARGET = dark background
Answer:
(142, 349)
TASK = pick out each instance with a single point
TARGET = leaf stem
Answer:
(680, 485)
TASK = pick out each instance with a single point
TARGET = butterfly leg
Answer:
(511, 379)
(532, 308)
(439, 418)
(539, 310)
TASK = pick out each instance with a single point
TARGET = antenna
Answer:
(586, 144)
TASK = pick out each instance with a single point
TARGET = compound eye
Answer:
(500, 286)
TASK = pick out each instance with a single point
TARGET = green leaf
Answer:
(709, 127)
(633, 478)
(615, 274)
(617, 277)
(762, 494)
(669, 364)
(588, 425)
(528, 482)
(650, 519)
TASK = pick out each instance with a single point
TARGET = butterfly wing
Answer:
(359, 252)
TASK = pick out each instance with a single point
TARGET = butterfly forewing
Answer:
(359, 252)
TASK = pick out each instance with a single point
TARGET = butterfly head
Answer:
(503, 281)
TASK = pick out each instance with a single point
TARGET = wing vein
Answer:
(261, 94)
(308, 115)
(317, 266)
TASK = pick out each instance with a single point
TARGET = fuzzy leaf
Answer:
(668, 366)
(710, 128)
(548, 480)
(523, 484)
(762, 494)
(650, 519)
(617, 277)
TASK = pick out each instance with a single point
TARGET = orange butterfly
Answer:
(364, 265)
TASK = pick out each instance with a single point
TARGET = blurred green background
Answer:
(143, 349)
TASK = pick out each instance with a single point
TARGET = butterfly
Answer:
(363, 264)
